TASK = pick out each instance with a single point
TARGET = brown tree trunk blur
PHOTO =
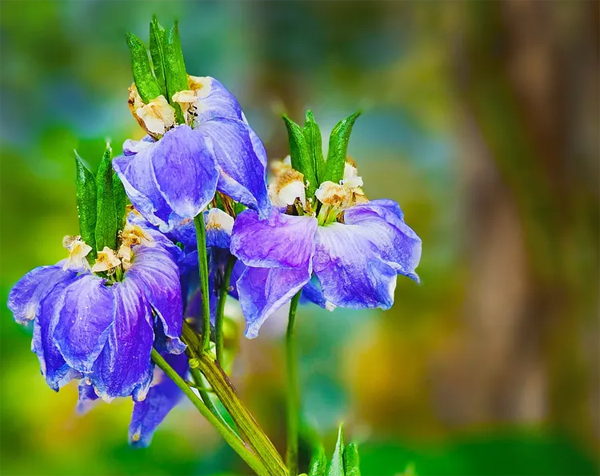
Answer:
(530, 136)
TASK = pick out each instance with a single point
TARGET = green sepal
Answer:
(175, 73)
(338, 147)
(120, 198)
(300, 155)
(106, 222)
(142, 72)
(336, 465)
(318, 462)
(86, 204)
(314, 143)
(157, 39)
(351, 460)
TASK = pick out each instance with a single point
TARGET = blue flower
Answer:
(347, 254)
(172, 174)
(100, 324)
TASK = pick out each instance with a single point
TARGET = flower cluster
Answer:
(134, 276)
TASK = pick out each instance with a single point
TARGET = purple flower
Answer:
(348, 254)
(173, 175)
(99, 324)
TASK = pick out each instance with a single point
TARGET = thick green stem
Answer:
(234, 441)
(248, 428)
(203, 265)
(293, 397)
(221, 308)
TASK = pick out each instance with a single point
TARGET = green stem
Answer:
(234, 441)
(243, 419)
(203, 266)
(221, 308)
(293, 403)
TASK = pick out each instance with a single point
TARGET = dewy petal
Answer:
(157, 276)
(185, 171)
(351, 272)
(396, 243)
(264, 290)
(242, 164)
(25, 296)
(54, 367)
(170, 180)
(124, 367)
(282, 241)
(163, 395)
(85, 321)
(214, 100)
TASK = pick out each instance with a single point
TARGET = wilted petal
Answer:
(85, 321)
(124, 367)
(25, 296)
(394, 241)
(349, 267)
(283, 241)
(163, 395)
(157, 276)
(264, 290)
(218, 228)
(241, 163)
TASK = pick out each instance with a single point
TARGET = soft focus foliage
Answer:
(480, 119)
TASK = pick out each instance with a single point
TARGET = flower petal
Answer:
(87, 397)
(53, 365)
(391, 238)
(157, 275)
(185, 171)
(264, 290)
(124, 367)
(84, 321)
(25, 296)
(215, 102)
(218, 228)
(163, 395)
(282, 241)
(241, 162)
(351, 272)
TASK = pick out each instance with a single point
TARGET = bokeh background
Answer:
(480, 118)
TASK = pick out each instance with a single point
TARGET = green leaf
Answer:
(106, 222)
(120, 202)
(336, 465)
(351, 460)
(157, 39)
(300, 155)
(142, 72)
(318, 463)
(338, 147)
(175, 73)
(86, 204)
(314, 143)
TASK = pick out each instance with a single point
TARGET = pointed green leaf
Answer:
(157, 39)
(142, 72)
(314, 143)
(336, 465)
(120, 202)
(106, 222)
(175, 73)
(338, 147)
(86, 204)
(351, 460)
(300, 155)
(318, 463)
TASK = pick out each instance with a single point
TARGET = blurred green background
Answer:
(480, 119)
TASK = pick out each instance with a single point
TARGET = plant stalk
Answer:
(221, 308)
(203, 268)
(293, 395)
